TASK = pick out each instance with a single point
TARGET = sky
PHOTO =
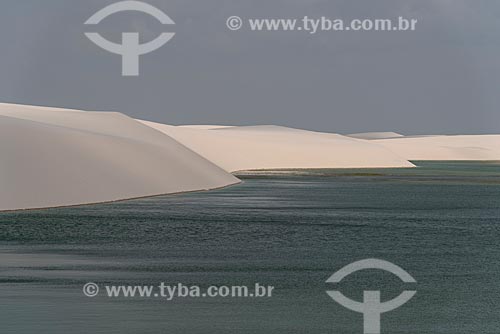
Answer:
(443, 78)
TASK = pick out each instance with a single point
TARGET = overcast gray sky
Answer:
(442, 78)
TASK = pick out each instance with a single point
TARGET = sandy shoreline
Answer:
(121, 200)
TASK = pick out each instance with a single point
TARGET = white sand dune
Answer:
(460, 147)
(274, 147)
(205, 127)
(375, 135)
(55, 157)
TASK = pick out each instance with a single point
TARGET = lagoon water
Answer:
(292, 230)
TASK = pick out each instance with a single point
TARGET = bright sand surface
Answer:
(273, 147)
(205, 127)
(460, 147)
(55, 157)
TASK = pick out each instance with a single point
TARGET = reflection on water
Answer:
(440, 222)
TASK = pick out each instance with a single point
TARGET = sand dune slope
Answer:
(272, 147)
(205, 127)
(106, 123)
(54, 158)
(461, 147)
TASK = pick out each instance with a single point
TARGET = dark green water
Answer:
(440, 222)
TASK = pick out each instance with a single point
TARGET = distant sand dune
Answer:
(275, 147)
(462, 147)
(375, 135)
(205, 127)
